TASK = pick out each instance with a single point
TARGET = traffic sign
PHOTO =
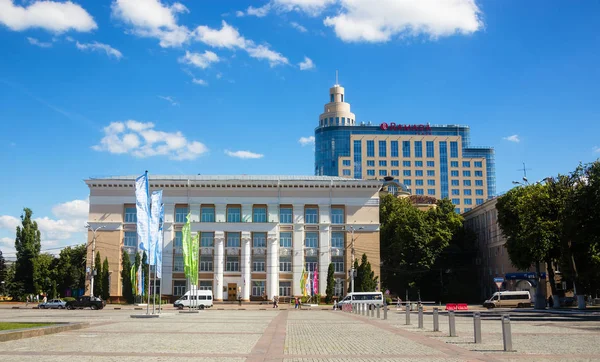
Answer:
(499, 282)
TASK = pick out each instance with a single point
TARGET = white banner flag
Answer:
(159, 244)
(142, 204)
(154, 224)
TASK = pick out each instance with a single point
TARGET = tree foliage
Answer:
(105, 280)
(365, 280)
(44, 273)
(330, 284)
(126, 277)
(70, 269)
(2, 268)
(28, 245)
(98, 287)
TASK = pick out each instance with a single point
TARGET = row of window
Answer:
(257, 290)
(336, 121)
(467, 192)
(259, 214)
(382, 149)
(393, 163)
(467, 201)
(259, 240)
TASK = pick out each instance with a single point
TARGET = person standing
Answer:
(296, 303)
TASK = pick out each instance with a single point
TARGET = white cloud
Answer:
(259, 12)
(9, 222)
(169, 99)
(76, 209)
(34, 41)
(244, 154)
(263, 52)
(56, 17)
(514, 138)
(310, 7)
(305, 141)
(199, 81)
(306, 64)
(99, 47)
(239, 14)
(596, 149)
(362, 20)
(199, 60)
(152, 18)
(298, 27)
(142, 140)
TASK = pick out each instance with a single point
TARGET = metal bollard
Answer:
(477, 326)
(421, 317)
(378, 307)
(436, 320)
(385, 308)
(452, 323)
(506, 333)
(372, 311)
(362, 308)
(407, 315)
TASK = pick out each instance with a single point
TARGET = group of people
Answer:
(35, 299)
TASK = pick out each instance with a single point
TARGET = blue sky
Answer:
(226, 87)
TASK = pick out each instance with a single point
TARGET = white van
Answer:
(370, 298)
(509, 299)
(196, 299)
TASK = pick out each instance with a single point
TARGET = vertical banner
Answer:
(154, 224)
(303, 282)
(195, 249)
(316, 281)
(159, 244)
(133, 278)
(142, 205)
(187, 245)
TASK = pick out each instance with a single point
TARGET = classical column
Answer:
(272, 265)
(194, 212)
(218, 265)
(220, 211)
(324, 258)
(246, 212)
(245, 265)
(273, 213)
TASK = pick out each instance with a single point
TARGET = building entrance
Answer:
(232, 291)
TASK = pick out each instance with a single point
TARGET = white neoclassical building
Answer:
(257, 233)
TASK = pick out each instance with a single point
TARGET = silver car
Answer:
(53, 304)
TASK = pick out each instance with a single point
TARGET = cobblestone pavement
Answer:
(298, 336)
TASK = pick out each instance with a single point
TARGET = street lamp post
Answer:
(352, 271)
(93, 255)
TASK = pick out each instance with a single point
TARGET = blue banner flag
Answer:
(154, 224)
(159, 245)
(142, 204)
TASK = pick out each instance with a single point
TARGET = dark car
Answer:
(86, 302)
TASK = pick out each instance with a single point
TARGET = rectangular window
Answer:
(285, 264)
(337, 121)
(395, 163)
(454, 173)
(419, 182)
(371, 163)
(285, 239)
(258, 263)
(382, 149)
(130, 215)
(382, 172)
(430, 182)
(347, 172)
(343, 121)
(337, 215)
(466, 182)
(259, 214)
(346, 162)
(406, 172)
(418, 163)
(419, 173)
(337, 239)
(130, 239)
(178, 263)
(406, 149)
(338, 264)
(311, 215)
(285, 215)
(370, 148)
(370, 172)
(466, 173)
(285, 289)
(478, 201)
(232, 263)
(468, 202)
(178, 242)
(310, 263)
(205, 285)
(453, 149)
(206, 263)
(454, 182)
(466, 164)
(405, 163)
(457, 210)
(233, 240)
(430, 163)
(420, 192)
(259, 240)
(394, 145)
(478, 173)
(395, 173)
(179, 287)
(382, 163)
(430, 173)
(467, 192)
(234, 214)
(258, 288)
(479, 192)
(207, 214)
(431, 192)
(429, 145)
(478, 164)
(407, 182)
(455, 192)
(478, 182)
(358, 159)
(418, 149)
(207, 239)
(453, 163)
(180, 214)
(312, 239)
(456, 201)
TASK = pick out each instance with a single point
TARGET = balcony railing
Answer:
(311, 251)
(285, 251)
(337, 252)
(232, 250)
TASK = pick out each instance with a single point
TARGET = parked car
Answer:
(53, 304)
(86, 302)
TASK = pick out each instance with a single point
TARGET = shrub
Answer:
(68, 299)
(388, 301)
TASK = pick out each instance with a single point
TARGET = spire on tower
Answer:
(336, 77)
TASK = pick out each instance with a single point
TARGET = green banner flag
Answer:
(194, 259)
(133, 278)
(187, 247)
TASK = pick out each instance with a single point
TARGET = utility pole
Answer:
(352, 271)
(92, 271)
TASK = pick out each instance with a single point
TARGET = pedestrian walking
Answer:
(296, 303)
(334, 304)
(27, 301)
(45, 299)
(240, 300)
(275, 301)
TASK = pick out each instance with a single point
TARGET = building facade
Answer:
(436, 161)
(257, 233)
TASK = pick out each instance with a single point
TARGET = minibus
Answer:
(509, 299)
(372, 299)
(196, 299)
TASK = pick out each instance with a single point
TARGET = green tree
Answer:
(98, 287)
(2, 269)
(126, 277)
(28, 245)
(366, 281)
(330, 284)
(44, 273)
(146, 271)
(70, 269)
(54, 292)
(137, 263)
(105, 280)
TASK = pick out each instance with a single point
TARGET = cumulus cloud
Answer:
(57, 17)
(34, 41)
(310, 7)
(305, 141)
(9, 222)
(514, 138)
(244, 154)
(142, 140)
(199, 81)
(153, 19)
(362, 20)
(200, 60)
(169, 99)
(306, 64)
(596, 149)
(99, 47)
(230, 38)
(258, 12)
(298, 27)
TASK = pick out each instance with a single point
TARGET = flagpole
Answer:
(148, 244)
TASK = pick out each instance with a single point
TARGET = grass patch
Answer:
(5, 326)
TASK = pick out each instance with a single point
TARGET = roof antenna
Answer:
(336, 77)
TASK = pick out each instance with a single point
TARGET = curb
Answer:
(40, 331)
